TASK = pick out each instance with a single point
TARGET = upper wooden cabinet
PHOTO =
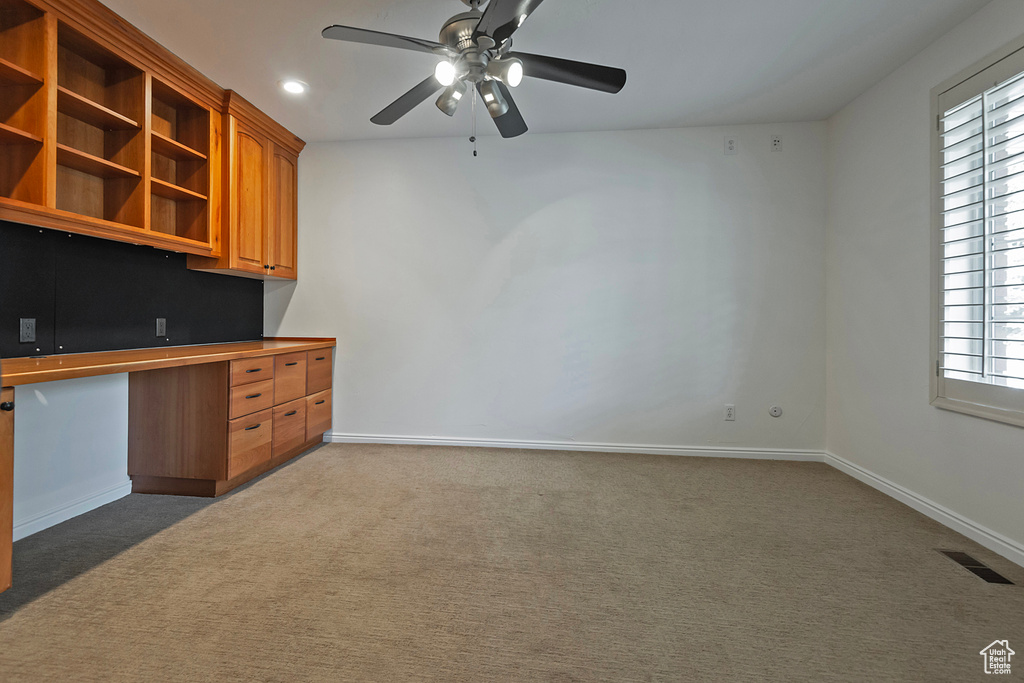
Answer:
(260, 178)
(103, 132)
(283, 242)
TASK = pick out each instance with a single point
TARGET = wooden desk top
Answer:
(16, 371)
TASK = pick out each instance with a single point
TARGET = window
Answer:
(979, 239)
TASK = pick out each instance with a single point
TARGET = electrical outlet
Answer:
(732, 145)
(27, 330)
(730, 413)
(161, 327)
(776, 143)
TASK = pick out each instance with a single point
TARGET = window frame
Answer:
(992, 402)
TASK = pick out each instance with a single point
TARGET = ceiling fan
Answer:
(476, 50)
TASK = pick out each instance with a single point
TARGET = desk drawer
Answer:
(249, 441)
(318, 370)
(289, 426)
(289, 377)
(318, 414)
(249, 398)
(249, 370)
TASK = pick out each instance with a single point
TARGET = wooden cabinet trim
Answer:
(237, 106)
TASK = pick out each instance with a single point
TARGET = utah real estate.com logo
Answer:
(997, 657)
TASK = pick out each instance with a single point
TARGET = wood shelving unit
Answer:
(100, 143)
(23, 103)
(104, 132)
(180, 180)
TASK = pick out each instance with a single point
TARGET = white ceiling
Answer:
(688, 63)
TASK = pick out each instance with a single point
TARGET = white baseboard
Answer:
(44, 520)
(647, 449)
(982, 535)
(992, 540)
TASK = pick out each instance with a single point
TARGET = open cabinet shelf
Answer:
(172, 149)
(172, 191)
(9, 135)
(179, 165)
(92, 113)
(87, 163)
(12, 74)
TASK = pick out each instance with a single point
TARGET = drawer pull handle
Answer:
(288, 365)
(249, 429)
(254, 395)
(320, 401)
(254, 370)
(291, 413)
(321, 357)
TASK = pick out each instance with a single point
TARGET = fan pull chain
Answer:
(472, 138)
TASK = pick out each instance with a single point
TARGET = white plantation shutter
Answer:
(980, 223)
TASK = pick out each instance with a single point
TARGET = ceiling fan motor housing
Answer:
(457, 32)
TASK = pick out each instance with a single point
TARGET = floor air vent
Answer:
(976, 567)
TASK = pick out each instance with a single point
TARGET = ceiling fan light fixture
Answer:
(496, 104)
(508, 70)
(449, 100)
(514, 73)
(444, 72)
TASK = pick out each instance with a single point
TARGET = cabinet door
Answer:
(249, 199)
(281, 237)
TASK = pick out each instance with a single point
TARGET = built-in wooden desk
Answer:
(18, 371)
(201, 419)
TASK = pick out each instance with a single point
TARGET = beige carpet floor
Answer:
(401, 563)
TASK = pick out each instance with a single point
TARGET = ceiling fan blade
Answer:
(362, 35)
(503, 17)
(511, 123)
(407, 102)
(593, 76)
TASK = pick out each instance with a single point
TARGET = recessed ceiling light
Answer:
(294, 87)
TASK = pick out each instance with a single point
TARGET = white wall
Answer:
(879, 295)
(616, 287)
(70, 449)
